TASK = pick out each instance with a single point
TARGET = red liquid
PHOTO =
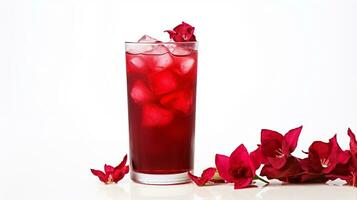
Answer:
(161, 104)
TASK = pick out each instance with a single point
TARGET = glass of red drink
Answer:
(161, 82)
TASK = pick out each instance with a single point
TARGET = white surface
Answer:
(135, 191)
(262, 64)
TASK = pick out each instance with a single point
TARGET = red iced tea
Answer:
(161, 101)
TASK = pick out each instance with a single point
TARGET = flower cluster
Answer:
(324, 161)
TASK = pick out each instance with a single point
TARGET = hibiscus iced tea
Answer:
(161, 81)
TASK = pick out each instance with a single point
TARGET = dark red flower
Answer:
(291, 172)
(112, 174)
(348, 172)
(208, 175)
(182, 33)
(238, 168)
(322, 159)
(276, 148)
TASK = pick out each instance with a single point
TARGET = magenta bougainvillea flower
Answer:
(277, 148)
(238, 168)
(182, 33)
(276, 155)
(348, 172)
(112, 174)
(208, 176)
(322, 160)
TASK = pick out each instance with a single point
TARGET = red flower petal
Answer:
(291, 139)
(172, 34)
(101, 175)
(318, 151)
(343, 157)
(291, 170)
(337, 156)
(344, 172)
(126, 169)
(118, 175)
(353, 161)
(305, 164)
(277, 162)
(313, 178)
(256, 157)
(242, 183)
(122, 163)
(206, 176)
(120, 170)
(240, 159)
(108, 169)
(222, 164)
(353, 142)
(196, 179)
(271, 142)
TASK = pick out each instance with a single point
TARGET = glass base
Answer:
(160, 179)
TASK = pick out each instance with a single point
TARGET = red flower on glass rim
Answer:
(322, 159)
(276, 148)
(182, 33)
(112, 174)
(238, 168)
(208, 176)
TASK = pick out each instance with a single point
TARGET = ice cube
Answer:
(180, 51)
(161, 62)
(186, 65)
(162, 82)
(140, 93)
(180, 101)
(137, 49)
(157, 49)
(136, 64)
(154, 115)
(147, 39)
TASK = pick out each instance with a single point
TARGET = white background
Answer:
(262, 64)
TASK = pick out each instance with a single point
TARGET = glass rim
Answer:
(159, 43)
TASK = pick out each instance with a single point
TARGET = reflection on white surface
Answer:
(149, 192)
(134, 191)
(313, 192)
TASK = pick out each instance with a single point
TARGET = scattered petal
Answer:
(112, 174)
(206, 176)
(101, 175)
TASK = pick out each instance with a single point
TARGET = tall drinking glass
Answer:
(161, 82)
